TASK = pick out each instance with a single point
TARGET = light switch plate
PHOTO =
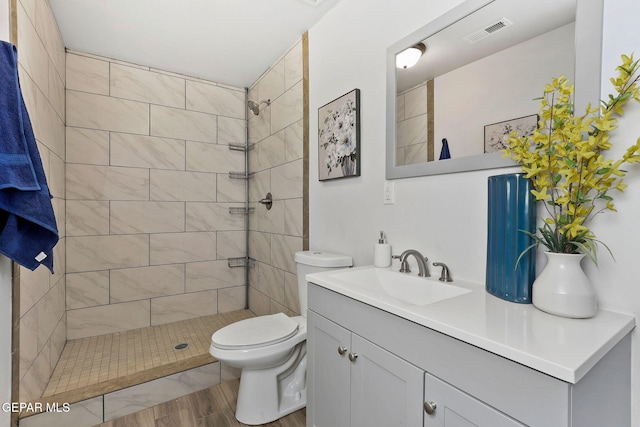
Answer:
(389, 193)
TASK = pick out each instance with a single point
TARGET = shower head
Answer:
(255, 106)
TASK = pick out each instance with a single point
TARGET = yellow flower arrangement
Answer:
(564, 160)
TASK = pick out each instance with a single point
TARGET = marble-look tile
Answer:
(231, 130)
(231, 244)
(50, 308)
(400, 160)
(183, 306)
(147, 86)
(260, 185)
(130, 217)
(260, 126)
(168, 248)
(33, 55)
(81, 414)
(291, 294)
(59, 261)
(293, 217)
(35, 380)
(183, 124)
(205, 157)
(271, 151)
(47, 29)
(259, 303)
(48, 127)
(87, 289)
(415, 102)
(106, 319)
(87, 74)
(286, 180)
(212, 217)
(271, 282)
(91, 253)
(57, 92)
(271, 85)
(272, 220)
(283, 249)
(91, 182)
(214, 99)
(28, 340)
(130, 284)
(209, 275)
(33, 286)
(106, 113)
(416, 153)
(88, 146)
(293, 66)
(146, 395)
(230, 299)
(412, 131)
(56, 177)
(147, 151)
(182, 186)
(287, 109)
(400, 108)
(294, 141)
(58, 341)
(87, 217)
(260, 246)
(230, 190)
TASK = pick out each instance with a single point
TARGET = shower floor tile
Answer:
(93, 366)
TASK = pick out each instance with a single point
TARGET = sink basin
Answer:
(392, 287)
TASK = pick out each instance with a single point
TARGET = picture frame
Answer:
(339, 137)
(495, 134)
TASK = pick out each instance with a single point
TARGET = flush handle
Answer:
(430, 407)
(342, 350)
(353, 356)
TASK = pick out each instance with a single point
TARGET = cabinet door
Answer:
(328, 390)
(454, 408)
(385, 390)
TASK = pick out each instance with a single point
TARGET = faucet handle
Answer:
(404, 265)
(445, 276)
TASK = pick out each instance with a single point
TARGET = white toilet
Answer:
(271, 351)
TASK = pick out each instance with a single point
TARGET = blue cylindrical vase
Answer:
(512, 208)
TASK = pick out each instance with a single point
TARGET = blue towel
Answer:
(444, 153)
(28, 230)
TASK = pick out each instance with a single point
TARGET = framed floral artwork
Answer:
(495, 134)
(339, 137)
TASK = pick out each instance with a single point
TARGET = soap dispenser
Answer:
(382, 252)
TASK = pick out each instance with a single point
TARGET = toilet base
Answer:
(265, 396)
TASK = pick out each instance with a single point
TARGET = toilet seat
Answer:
(255, 332)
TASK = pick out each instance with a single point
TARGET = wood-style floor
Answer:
(212, 407)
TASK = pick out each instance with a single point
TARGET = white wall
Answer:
(443, 216)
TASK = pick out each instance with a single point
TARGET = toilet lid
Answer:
(257, 331)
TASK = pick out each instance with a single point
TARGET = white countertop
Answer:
(563, 348)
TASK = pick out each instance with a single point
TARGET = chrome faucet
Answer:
(423, 267)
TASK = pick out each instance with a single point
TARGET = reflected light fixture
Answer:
(410, 56)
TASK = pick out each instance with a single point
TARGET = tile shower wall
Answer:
(41, 61)
(412, 123)
(148, 196)
(277, 160)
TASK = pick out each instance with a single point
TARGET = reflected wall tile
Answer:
(286, 180)
(212, 217)
(293, 66)
(182, 307)
(416, 153)
(87, 289)
(146, 86)
(415, 102)
(231, 244)
(293, 216)
(92, 182)
(91, 253)
(103, 112)
(87, 217)
(147, 151)
(400, 108)
(230, 299)
(271, 85)
(87, 146)
(182, 247)
(412, 131)
(283, 249)
(131, 284)
(182, 124)
(87, 74)
(205, 157)
(294, 141)
(209, 275)
(287, 109)
(230, 190)
(182, 186)
(231, 130)
(214, 99)
(130, 217)
(106, 319)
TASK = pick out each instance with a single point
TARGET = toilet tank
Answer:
(314, 262)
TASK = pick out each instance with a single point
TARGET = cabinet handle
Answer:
(430, 407)
(342, 350)
(353, 356)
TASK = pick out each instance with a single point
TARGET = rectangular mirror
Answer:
(483, 64)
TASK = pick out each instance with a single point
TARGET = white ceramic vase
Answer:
(563, 288)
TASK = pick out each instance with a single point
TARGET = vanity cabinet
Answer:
(399, 365)
(357, 383)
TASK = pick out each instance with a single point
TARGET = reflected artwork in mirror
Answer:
(482, 61)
